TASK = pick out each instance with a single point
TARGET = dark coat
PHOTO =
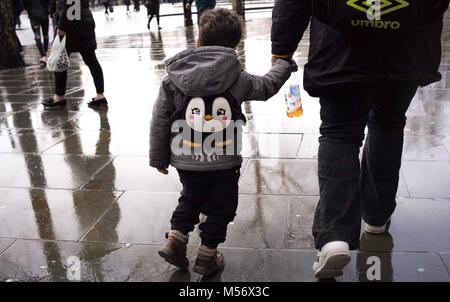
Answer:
(337, 58)
(80, 33)
(152, 7)
(17, 7)
(203, 5)
(37, 9)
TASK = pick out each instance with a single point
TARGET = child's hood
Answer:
(204, 71)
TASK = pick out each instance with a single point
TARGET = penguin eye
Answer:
(221, 111)
(195, 111)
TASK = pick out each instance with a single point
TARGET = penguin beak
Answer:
(208, 117)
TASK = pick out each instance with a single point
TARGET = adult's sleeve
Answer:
(290, 18)
(160, 128)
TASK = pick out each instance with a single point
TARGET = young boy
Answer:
(202, 95)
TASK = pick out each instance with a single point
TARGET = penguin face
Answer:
(209, 114)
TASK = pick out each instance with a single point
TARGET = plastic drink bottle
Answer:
(292, 97)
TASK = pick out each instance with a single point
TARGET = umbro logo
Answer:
(374, 10)
(377, 7)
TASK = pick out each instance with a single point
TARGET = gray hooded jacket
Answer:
(195, 75)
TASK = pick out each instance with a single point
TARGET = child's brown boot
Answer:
(174, 250)
(209, 261)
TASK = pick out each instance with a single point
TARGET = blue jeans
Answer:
(350, 190)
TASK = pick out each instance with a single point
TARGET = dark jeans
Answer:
(349, 191)
(213, 193)
(36, 25)
(90, 59)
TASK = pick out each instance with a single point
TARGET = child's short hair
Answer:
(220, 27)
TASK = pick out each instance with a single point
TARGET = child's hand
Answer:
(294, 67)
(163, 170)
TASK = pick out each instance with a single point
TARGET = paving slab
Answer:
(51, 214)
(48, 171)
(281, 177)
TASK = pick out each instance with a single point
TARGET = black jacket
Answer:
(37, 9)
(17, 7)
(337, 58)
(80, 33)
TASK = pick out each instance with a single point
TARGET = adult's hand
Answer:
(294, 66)
(60, 32)
(163, 171)
(188, 5)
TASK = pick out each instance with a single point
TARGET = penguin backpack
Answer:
(211, 126)
(383, 17)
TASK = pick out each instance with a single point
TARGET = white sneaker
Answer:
(376, 229)
(331, 260)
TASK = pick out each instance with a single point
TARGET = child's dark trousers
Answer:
(213, 193)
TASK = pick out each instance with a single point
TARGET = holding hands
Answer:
(60, 32)
(294, 67)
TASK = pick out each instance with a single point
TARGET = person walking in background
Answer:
(201, 6)
(152, 10)
(17, 10)
(127, 3)
(38, 12)
(106, 4)
(363, 76)
(80, 37)
(137, 6)
(53, 13)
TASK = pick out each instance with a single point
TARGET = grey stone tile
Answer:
(402, 190)
(437, 109)
(134, 173)
(22, 98)
(446, 258)
(300, 221)
(259, 223)
(400, 267)
(281, 177)
(5, 242)
(427, 179)
(51, 214)
(13, 90)
(37, 120)
(249, 265)
(416, 109)
(103, 142)
(32, 260)
(30, 140)
(8, 108)
(271, 145)
(137, 217)
(244, 265)
(427, 125)
(425, 147)
(48, 171)
(309, 146)
(416, 225)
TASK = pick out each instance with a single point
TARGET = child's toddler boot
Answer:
(174, 250)
(209, 261)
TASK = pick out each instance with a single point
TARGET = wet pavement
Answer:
(76, 182)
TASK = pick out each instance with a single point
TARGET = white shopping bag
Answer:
(59, 59)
